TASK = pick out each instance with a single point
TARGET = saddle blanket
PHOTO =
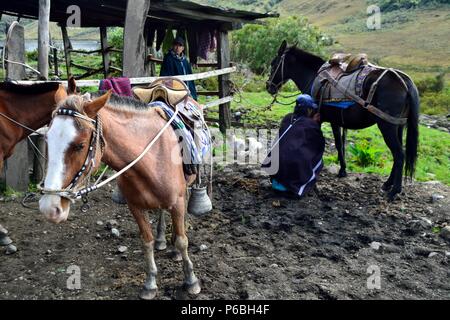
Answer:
(195, 144)
(323, 91)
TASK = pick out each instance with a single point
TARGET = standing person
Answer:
(175, 64)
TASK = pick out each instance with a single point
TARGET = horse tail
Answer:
(412, 136)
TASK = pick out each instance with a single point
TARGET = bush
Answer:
(256, 45)
(431, 84)
(436, 103)
(391, 5)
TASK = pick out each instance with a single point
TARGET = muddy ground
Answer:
(259, 245)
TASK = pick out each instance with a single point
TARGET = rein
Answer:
(73, 193)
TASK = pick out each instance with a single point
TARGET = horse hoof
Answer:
(176, 255)
(386, 187)
(160, 245)
(5, 241)
(193, 288)
(342, 174)
(148, 294)
(392, 196)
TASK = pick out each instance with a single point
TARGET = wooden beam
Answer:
(67, 50)
(223, 57)
(105, 51)
(43, 37)
(134, 52)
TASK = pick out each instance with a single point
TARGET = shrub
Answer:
(364, 155)
(256, 45)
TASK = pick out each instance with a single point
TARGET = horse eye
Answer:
(79, 147)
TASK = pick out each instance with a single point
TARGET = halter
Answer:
(74, 191)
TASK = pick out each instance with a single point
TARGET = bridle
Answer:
(280, 65)
(76, 190)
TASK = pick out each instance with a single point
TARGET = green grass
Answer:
(434, 149)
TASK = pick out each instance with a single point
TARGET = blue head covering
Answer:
(306, 101)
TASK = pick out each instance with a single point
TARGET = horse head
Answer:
(73, 143)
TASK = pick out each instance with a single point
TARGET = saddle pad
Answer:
(354, 83)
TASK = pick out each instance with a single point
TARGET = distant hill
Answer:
(415, 39)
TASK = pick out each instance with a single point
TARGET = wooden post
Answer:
(43, 37)
(38, 161)
(15, 49)
(134, 50)
(223, 59)
(16, 174)
(105, 52)
(67, 48)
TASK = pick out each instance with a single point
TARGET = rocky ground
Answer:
(254, 245)
(436, 122)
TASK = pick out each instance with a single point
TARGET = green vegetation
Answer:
(257, 44)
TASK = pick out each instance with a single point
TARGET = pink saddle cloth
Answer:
(119, 86)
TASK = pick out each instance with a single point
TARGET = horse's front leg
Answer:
(339, 140)
(150, 288)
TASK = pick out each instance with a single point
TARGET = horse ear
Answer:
(282, 48)
(61, 94)
(91, 108)
(71, 86)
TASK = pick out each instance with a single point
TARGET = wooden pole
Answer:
(16, 174)
(134, 51)
(43, 37)
(223, 58)
(67, 48)
(105, 51)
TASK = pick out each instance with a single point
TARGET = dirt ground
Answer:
(259, 245)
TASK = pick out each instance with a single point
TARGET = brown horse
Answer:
(29, 105)
(157, 181)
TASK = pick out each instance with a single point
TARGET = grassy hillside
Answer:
(415, 40)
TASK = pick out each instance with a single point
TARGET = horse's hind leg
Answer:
(391, 137)
(160, 241)
(339, 140)
(388, 184)
(179, 238)
(150, 288)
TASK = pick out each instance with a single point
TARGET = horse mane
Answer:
(121, 102)
(307, 58)
(29, 89)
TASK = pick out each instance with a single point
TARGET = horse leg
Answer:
(180, 240)
(391, 137)
(150, 288)
(388, 184)
(339, 140)
(160, 242)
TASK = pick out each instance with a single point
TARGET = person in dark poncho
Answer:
(300, 149)
(175, 64)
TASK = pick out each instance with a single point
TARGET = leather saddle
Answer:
(173, 92)
(347, 63)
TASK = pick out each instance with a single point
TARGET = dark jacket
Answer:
(301, 149)
(174, 65)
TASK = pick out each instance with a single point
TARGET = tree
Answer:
(257, 44)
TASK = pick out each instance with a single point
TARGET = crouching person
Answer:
(300, 149)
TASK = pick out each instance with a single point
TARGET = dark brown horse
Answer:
(292, 63)
(116, 130)
(29, 105)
